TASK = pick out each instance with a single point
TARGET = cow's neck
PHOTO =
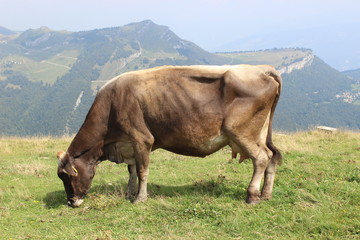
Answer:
(86, 140)
(93, 131)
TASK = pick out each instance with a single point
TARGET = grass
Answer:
(316, 194)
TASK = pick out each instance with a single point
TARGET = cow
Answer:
(188, 110)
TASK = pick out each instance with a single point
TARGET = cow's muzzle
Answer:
(75, 202)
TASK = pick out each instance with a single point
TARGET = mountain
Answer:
(46, 55)
(338, 44)
(48, 79)
(354, 74)
(5, 31)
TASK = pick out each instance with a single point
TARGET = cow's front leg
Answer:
(142, 151)
(131, 187)
(143, 174)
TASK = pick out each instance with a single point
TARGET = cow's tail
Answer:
(277, 157)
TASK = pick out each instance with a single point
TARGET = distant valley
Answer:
(48, 79)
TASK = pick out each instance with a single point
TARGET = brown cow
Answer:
(189, 110)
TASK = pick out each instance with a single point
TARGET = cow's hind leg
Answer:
(269, 177)
(260, 162)
(260, 156)
(131, 187)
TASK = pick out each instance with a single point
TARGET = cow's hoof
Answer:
(253, 196)
(130, 196)
(253, 200)
(139, 200)
(266, 196)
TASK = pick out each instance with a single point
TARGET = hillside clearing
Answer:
(316, 194)
(46, 71)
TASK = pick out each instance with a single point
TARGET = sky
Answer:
(208, 23)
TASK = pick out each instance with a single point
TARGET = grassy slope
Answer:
(275, 57)
(46, 71)
(316, 195)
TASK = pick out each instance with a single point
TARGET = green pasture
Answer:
(316, 194)
(47, 71)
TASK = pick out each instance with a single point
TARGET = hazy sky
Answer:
(208, 23)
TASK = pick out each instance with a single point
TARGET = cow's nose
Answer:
(74, 202)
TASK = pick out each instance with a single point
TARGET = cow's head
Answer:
(77, 175)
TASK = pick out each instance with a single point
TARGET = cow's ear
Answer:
(60, 155)
(66, 164)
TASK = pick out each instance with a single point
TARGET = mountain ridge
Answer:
(5, 31)
(337, 44)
